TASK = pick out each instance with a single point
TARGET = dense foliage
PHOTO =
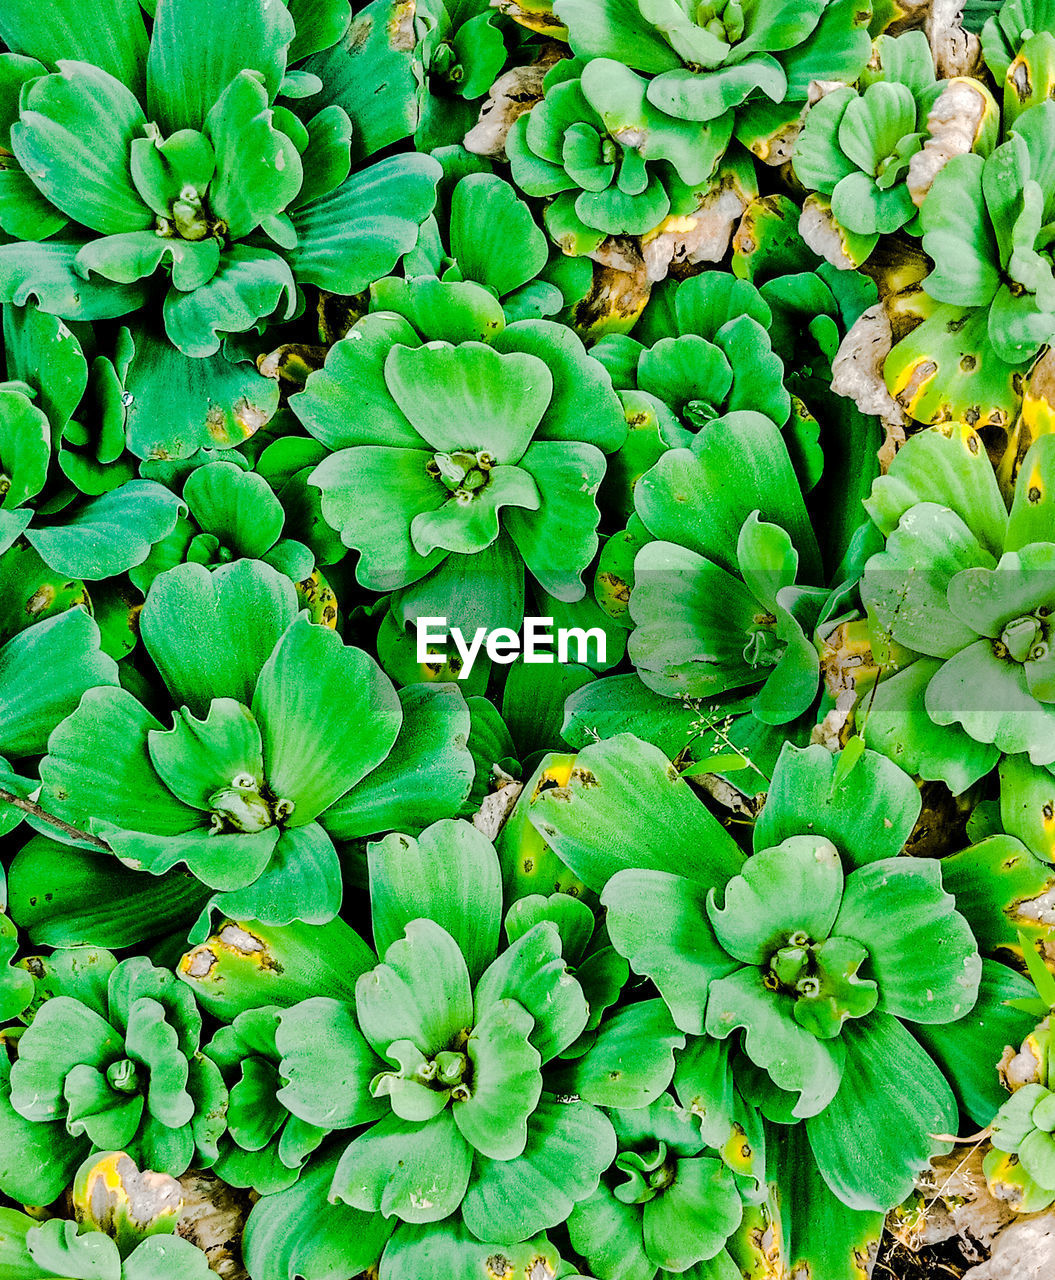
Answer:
(715, 335)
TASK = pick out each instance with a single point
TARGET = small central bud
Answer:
(463, 473)
(123, 1076)
(5, 486)
(189, 218)
(244, 807)
(1020, 637)
(698, 413)
(648, 1174)
(789, 964)
(763, 647)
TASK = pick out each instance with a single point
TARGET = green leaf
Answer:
(927, 968)
(454, 1253)
(569, 1145)
(417, 1172)
(694, 1216)
(313, 751)
(964, 1049)
(493, 236)
(688, 96)
(179, 404)
(559, 541)
(421, 992)
(958, 236)
(37, 1161)
(196, 50)
(451, 876)
(400, 488)
(821, 1233)
(950, 470)
(110, 35)
(792, 887)
(1031, 511)
(868, 817)
(258, 169)
(302, 880)
(66, 648)
(46, 274)
(74, 138)
(161, 1257)
(111, 533)
(238, 506)
(630, 1062)
(196, 758)
(327, 1065)
(64, 1034)
(25, 438)
(135, 255)
(891, 1092)
(686, 957)
(300, 1232)
(898, 725)
(506, 1084)
(249, 285)
(347, 401)
(432, 747)
(57, 1249)
(358, 232)
(98, 770)
(745, 445)
(533, 972)
(991, 698)
(248, 605)
(611, 784)
(819, 161)
(470, 397)
(371, 74)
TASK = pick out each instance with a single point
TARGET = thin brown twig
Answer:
(29, 806)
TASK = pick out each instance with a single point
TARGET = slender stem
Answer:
(28, 806)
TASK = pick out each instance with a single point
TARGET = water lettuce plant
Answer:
(260, 769)
(110, 1060)
(481, 444)
(856, 146)
(704, 60)
(445, 1054)
(790, 952)
(965, 590)
(988, 236)
(614, 163)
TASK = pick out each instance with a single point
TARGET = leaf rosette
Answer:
(483, 232)
(968, 589)
(446, 1055)
(261, 769)
(110, 1061)
(466, 451)
(164, 173)
(856, 145)
(666, 1203)
(704, 59)
(825, 978)
(987, 225)
(614, 163)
